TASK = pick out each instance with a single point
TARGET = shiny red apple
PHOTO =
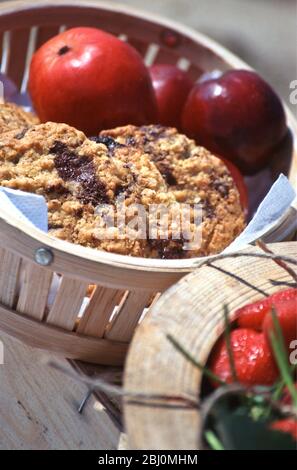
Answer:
(172, 87)
(91, 80)
(238, 116)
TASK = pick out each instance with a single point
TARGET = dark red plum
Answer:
(172, 87)
(237, 115)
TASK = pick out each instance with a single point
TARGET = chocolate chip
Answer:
(55, 226)
(58, 147)
(153, 132)
(208, 209)
(93, 191)
(168, 249)
(16, 159)
(110, 143)
(119, 189)
(221, 187)
(56, 189)
(130, 140)
(169, 177)
(166, 172)
(21, 134)
(78, 212)
(80, 168)
(186, 152)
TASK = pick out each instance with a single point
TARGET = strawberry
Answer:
(252, 315)
(287, 317)
(288, 425)
(254, 362)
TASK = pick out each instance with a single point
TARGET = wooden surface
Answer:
(38, 406)
(58, 341)
(192, 312)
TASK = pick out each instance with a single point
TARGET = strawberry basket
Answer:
(163, 407)
(122, 287)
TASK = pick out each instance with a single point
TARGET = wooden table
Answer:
(38, 406)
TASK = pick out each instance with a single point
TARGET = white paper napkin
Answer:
(279, 199)
(25, 206)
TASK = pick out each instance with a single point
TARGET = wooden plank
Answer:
(125, 321)
(166, 56)
(98, 312)
(139, 45)
(9, 276)
(34, 291)
(5, 48)
(38, 406)
(67, 303)
(45, 33)
(66, 343)
(194, 72)
(1, 48)
(19, 41)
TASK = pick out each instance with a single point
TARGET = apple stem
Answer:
(64, 50)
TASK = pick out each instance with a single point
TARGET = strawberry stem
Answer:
(279, 349)
(280, 385)
(212, 440)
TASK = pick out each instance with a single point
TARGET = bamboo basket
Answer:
(124, 286)
(193, 314)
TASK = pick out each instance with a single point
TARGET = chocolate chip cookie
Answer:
(193, 175)
(78, 176)
(13, 117)
(108, 192)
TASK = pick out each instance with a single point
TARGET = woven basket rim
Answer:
(100, 256)
(42, 239)
(191, 311)
(14, 6)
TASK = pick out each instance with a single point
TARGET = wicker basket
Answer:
(30, 259)
(191, 313)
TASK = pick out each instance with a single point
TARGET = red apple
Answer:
(91, 80)
(172, 87)
(238, 116)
